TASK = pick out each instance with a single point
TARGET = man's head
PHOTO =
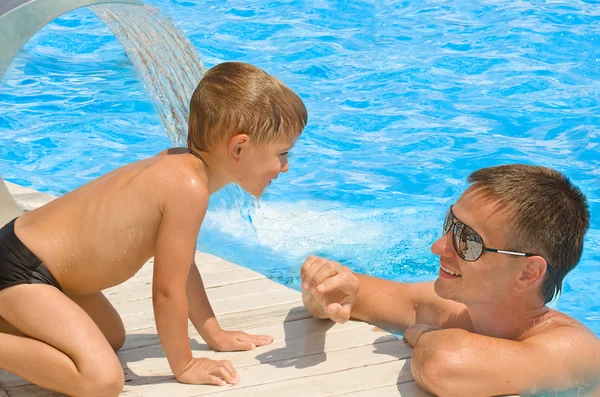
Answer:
(521, 209)
(240, 108)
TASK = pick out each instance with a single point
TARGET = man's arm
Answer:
(395, 306)
(331, 290)
(456, 362)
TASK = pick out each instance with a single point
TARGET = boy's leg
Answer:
(6, 328)
(104, 315)
(63, 349)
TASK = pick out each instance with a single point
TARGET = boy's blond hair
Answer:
(238, 98)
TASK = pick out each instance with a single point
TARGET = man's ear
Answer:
(237, 144)
(532, 273)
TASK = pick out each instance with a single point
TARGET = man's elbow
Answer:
(436, 374)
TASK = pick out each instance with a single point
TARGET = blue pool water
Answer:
(405, 98)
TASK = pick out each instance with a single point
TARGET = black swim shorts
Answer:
(18, 265)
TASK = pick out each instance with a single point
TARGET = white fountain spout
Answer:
(21, 19)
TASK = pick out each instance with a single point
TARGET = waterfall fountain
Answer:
(165, 59)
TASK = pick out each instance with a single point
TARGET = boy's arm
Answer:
(201, 313)
(184, 207)
(203, 318)
(331, 290)
(456, 362)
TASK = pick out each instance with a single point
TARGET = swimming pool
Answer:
(405, 99)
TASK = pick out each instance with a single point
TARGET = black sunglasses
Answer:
(468, 244)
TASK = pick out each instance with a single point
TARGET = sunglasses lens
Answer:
(448, 221)
(467, 243)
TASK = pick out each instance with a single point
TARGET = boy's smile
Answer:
(259, 165)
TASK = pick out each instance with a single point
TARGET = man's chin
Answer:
(442, 291)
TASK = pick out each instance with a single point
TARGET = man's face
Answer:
(491, 277)
(260, 164)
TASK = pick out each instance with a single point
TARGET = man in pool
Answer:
(57, 329)
(483, 327)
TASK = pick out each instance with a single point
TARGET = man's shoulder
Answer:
(564, 332)
(571, 346)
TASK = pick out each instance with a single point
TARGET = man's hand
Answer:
(332, 287)
(414, 332)
(229, 341)
(206, 371)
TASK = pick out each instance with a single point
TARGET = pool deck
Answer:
(309, 357)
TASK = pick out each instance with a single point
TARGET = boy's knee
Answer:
(105, 383)
(105, 379)
(117, 340)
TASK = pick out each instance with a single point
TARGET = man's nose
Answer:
(443, 246)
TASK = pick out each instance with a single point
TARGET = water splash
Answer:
(167, 62)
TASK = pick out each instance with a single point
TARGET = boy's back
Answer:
(102, 233)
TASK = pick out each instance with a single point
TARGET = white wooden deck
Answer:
(309, 357)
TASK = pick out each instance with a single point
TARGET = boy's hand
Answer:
(229, 341)
(206, 371)
(332, 285)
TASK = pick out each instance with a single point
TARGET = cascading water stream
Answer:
(166, 61)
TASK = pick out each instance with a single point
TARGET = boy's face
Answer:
(260, 164)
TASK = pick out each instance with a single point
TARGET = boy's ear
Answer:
(532, 273)
(237, 144)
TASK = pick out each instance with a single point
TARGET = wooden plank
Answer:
(408, 389)
(325, 366)
(203, 258)
(280, 331)
(220, 306)
(290, 376)
(209, 264)
(138, 288)
(211, 280)
(151, 360)
(31, 391)
(8, 379)
(27, 198)
(240, 320)
(243, 289)
(327, 383)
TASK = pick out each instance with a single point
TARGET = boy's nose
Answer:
(285, 167)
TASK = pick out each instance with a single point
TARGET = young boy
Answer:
(57, 330)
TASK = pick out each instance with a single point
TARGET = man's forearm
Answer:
(384, 303)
